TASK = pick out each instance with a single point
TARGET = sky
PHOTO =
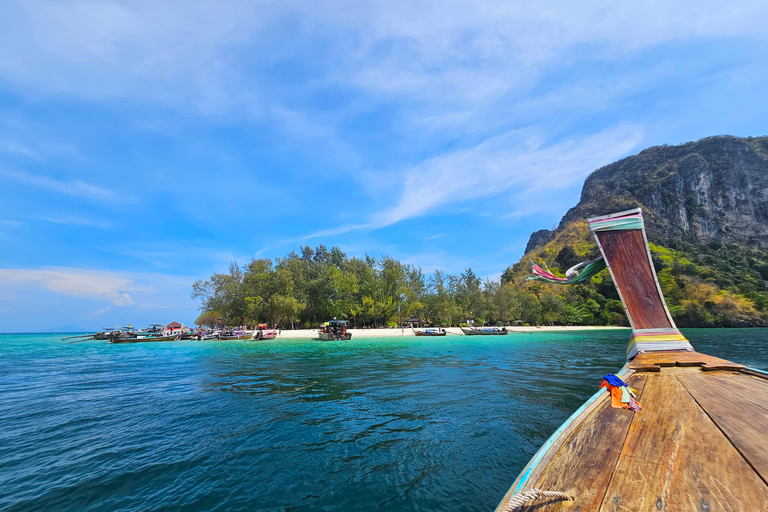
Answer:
(144, 145)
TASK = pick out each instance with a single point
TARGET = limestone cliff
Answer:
(711, 190)
(705, 206)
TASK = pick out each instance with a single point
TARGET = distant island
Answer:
(706, 210)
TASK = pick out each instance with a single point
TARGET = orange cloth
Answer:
(615, 391)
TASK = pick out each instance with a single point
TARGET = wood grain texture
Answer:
(755, 373)
(676, 459)
(744, 423)
(627, 258)
(752, 389)
(666, 359)
(583, 465)
(569, 427)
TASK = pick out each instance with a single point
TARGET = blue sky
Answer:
(144, 145)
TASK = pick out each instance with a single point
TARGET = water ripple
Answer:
(394, 424)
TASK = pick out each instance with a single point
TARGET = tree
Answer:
(211, 319)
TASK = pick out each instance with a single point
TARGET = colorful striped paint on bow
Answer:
(616, 223)
(647, 340)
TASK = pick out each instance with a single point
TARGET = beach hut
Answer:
(414, 321)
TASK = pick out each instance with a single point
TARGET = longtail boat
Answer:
(429, 332)
(237, 335)
(334, 330)
(264, 334)
(699, 441)
(485, 331)
(143, 338)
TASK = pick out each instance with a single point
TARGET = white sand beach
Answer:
(386, 333)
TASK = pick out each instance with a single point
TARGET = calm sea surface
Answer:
(404, 424)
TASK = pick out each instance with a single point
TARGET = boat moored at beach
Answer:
(677, 429)
(229, 335)
(143, 338)
(334, 330)
(484, 331)
(264, 334)
(429, 332)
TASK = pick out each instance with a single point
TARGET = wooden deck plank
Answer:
(665, 359)
(753, 389)
(583, 465)
(675, 458)
(742, 422)
(571, 425)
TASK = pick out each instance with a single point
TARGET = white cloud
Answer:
(75, 187)
(119, 288)
(171, 52)
(123, 300)
(75, 282)
(8, 146)
(110, 296)
(508, 161)
(77, 220)
(205, 55)
(516, 161)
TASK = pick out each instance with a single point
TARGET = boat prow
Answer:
(700, 441)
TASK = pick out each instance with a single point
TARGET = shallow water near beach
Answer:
(398, 424)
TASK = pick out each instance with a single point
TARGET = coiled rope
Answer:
(518, 500)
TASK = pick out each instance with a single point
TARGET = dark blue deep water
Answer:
(404, 424)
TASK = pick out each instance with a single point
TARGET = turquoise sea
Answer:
(403, 424)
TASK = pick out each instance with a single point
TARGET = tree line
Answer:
(303, 290)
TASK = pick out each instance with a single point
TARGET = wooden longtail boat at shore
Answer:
(334, 330)
(700, 441)
(429, 332)
(143, 339)
(485, 331)
(235, 336)
(264, 334)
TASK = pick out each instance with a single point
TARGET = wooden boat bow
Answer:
(700, 441)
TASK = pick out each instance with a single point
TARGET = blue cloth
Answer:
(614, 380)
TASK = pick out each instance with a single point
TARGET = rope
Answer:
(518, 500)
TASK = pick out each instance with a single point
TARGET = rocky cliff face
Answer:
(714, 190)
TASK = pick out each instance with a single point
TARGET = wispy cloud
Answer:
(78, 283)
(8, 146)
(511, 161)
(515, 161)
(74, 187)
(77, 221)
(123, 300)
(433, 237)
(110, 295)
(189, 55)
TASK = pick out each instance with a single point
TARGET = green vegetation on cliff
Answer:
(709, 285)
(705, 205)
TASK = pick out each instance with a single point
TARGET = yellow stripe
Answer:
(662, 337)
(654, 338)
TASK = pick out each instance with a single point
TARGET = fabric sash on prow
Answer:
(622, 242)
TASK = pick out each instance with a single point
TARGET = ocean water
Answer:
(403, 424)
